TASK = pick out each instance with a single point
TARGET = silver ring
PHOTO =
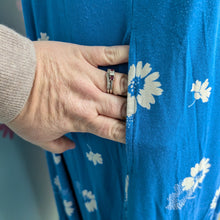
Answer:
(110, 75)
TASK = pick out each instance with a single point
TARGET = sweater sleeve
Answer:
(17, 71)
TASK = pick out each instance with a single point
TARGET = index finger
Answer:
(106, 56)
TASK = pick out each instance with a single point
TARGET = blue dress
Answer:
(169, 167)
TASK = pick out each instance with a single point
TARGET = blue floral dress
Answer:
(169, 167)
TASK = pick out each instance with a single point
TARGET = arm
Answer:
(48, 89)
(17, 70)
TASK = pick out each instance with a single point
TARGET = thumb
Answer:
(59, 145)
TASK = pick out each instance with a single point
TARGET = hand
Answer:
(69, 95)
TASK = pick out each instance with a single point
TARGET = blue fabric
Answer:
(169, 167)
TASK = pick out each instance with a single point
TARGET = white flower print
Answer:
(147, 84)
(201, 91)
(43, 37)
(68, 207)
(90, 201)
(186, 188)
(215, 199)
(91, 206)
(57, 182)
(96, 158)
(56, 158)
(198, 174)
(187, 183)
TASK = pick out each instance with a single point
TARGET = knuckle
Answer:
(112, 108)
(109, 107)
(111, 54)
(115, 132)
(103, 131)
(87, 124)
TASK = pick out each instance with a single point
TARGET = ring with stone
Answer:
(110, 75)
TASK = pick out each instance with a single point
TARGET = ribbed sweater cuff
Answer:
(17, 71)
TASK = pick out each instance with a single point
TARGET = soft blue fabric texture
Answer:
(169, 167)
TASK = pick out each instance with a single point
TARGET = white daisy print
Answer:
(56, 158)
(201, 91)
(43, 37)
(215, 199)
(139, 77)
(90, 201)
(68, 207)
(186, 188)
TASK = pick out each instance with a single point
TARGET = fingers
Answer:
(59, 145)
(106, 56)
(120, 83)
(109, 128)
(112, 106)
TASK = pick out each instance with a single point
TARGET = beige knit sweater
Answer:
(17, 71)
